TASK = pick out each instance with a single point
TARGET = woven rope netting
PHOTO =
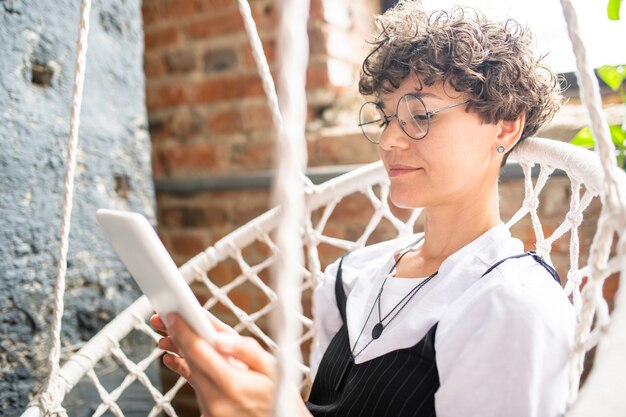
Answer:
(246, 256)
(232, 277)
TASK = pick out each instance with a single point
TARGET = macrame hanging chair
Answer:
(297, 225)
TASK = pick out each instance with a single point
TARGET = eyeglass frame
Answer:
(387, 119)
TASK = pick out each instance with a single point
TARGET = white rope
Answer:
(241, 246)
(50, 399)
(290, 156)
(263, 69)
(591, 99)
(289, 192)
(261, 61)
(611, 220)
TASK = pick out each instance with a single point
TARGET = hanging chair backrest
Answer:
(247, 253)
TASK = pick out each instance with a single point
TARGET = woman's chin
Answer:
(405, 203)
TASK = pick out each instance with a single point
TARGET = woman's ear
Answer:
(510, 132)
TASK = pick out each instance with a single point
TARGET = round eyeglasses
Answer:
(412, 114)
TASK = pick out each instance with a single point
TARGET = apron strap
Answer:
(340, 294)
(533, 255)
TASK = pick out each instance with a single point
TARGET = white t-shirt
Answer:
(502, 342)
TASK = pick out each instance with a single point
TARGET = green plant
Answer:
(613, 76)
(613, 9)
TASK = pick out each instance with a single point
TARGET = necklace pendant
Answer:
(377, 330)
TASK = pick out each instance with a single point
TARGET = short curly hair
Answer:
(493, 63)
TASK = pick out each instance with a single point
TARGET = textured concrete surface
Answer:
(37, 55)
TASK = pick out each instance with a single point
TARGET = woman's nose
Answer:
(393, 136)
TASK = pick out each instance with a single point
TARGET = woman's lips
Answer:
(397, 170)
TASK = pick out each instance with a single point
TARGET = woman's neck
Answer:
(449, 228)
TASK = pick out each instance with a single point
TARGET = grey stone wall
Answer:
(37, 54)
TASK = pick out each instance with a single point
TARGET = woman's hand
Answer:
(222, 389)
(173, 359)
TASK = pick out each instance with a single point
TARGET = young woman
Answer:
(455, 321)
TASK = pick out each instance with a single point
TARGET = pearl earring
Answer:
(500, 149)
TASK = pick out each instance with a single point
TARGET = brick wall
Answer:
(208, 114)
(208, 118)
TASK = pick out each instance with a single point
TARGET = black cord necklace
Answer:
(380, 326)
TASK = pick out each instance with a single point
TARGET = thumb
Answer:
(248, 351)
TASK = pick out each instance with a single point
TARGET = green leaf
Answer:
(613, 9)
(618, 135)
(583, 138)
(612, 75)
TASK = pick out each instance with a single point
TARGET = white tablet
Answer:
(147, 260)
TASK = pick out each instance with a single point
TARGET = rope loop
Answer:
(543, 248)
(574, 218)
(531, 202)
(50, 405)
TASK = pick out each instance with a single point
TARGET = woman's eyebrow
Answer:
(421, 94)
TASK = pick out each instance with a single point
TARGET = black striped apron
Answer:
(397, 384)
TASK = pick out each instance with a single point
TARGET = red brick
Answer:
(153, 66)
(253, 155)
(269, 49)
(187, 245)
(177, 125)
(354, 208)
(215, 26)
(343, 149)
(224, 272)
(159, 38)
(184, 123)
(180, 61)
(265, 15)
(250, 205)
(214, 6)
(224, 122)
(242, 297)
(192, 217)
(256, 118)
(158, 11)
(150, 13)
(214, 90)
(180, 8)
(165, 96)
(190, 158)
(317, 76)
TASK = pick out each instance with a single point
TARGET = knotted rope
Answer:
(49, 401)
(612, 218)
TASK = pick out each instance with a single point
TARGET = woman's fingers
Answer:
(219, 325)
(248, 351)
(168, 344)
(178, 365)
(157, 324)
(199, 353)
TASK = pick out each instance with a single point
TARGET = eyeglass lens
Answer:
(411, 114)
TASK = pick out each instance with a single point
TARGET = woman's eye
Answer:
(420, 117)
